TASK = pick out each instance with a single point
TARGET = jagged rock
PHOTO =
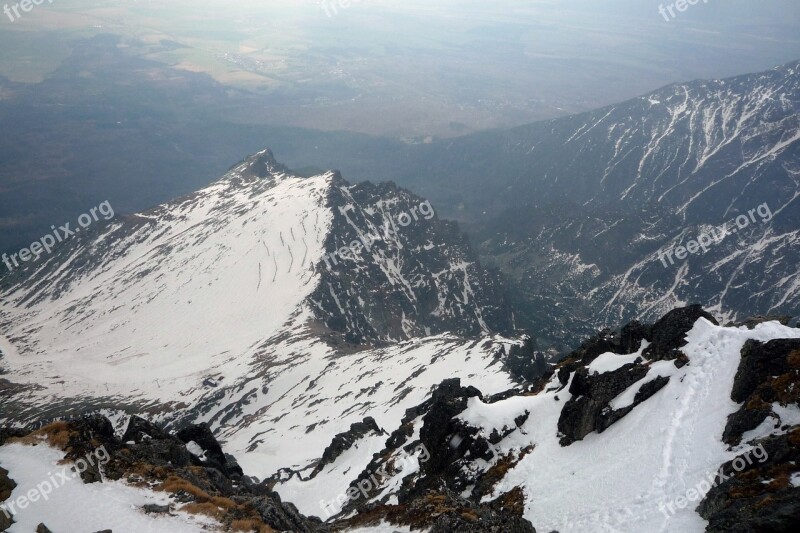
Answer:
(588, 410)
(285, 516)
(605, 341)
(10, 433)
(742, 421)
(632, 335)
(201, 434)
(768, 373)
(7, 486)
(41, 528)
(761, 361)
(438, 428)
(753, 321)
(344, 441)
(140, 429)
(161, 460)
(669, 334)
(153, 508)
(524, 362)
(759, 497)
(446, 512)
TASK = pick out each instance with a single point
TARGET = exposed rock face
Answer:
(759, 497)
(394, 270)
(768, 373)
(669, 334)
(214, 456)
(7, 485)
(589, 409)
(344, 441)
(447, 512)
(524, 362)
(148, 456)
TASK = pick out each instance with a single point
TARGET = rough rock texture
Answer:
(214, 456)
(7, 485)
(150, 457)
(344, 441)
(768, 373)
(758, 498)
(447, 512)
(433, 498)
(524, 362)
(669, 334)
(588, 410)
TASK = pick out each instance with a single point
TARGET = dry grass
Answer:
(513, 501)
(206, 508)
(57, 435)
(251, 525)
(794, 359)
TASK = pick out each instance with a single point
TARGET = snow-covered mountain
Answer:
(238, 306)
(683, 425)
(347, 347)
(580, 211)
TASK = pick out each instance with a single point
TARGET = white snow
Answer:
(616, 480)
(74, 506)
(196, 450)
(608, 362)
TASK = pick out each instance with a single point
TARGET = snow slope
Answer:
(74, 506)
(205, 310)
(615, 481)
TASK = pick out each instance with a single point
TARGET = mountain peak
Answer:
(261, 165)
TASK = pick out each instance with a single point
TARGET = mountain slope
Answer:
(585, 213)
(229, 307)
(614, 438)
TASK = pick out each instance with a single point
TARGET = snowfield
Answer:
(75, 506)
(615, 481)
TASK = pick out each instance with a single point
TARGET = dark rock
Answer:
(153, 508)
(285, 516)
(761, 361)
(753, 321)
(7, 485)
(588, 410)
(140, 430)
(202, 435)
(344, 441)
(11, 433)
(41, 528)
(757, 497)
(437, 432)
(632, 335)
(669, 333)
(768, 373)
(524, 362)
(742, 421)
